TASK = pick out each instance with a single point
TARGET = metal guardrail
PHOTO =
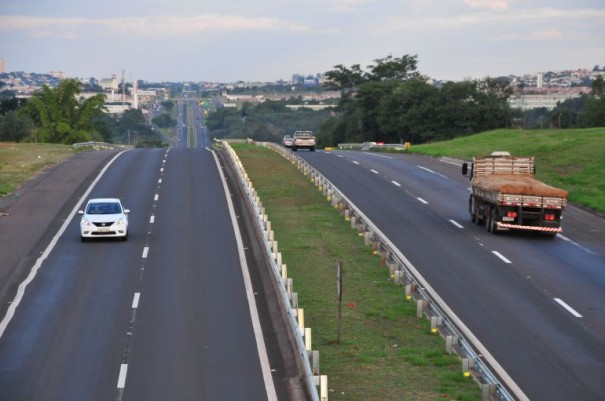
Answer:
(309, 358)
(372, 145)
(99, 145)
(476, 359)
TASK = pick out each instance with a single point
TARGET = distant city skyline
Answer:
(267, 40)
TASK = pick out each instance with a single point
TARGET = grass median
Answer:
(386, 352)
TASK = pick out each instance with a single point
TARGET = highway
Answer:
(170, 314)
(536, 303)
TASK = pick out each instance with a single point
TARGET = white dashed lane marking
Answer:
(498, 254)
(567, 307)
(122, 376)
(454, 222)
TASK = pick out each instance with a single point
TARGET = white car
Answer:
(104, 217)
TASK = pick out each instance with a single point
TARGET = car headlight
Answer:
(85, 222)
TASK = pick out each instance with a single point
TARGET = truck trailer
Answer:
(506, 196)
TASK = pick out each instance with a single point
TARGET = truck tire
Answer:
(312, 149)
(492, 226)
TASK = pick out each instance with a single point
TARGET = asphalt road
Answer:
(536, 303)
(167, 315)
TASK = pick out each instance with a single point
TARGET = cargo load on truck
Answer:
(505, 195)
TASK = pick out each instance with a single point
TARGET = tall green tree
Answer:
(58, 115)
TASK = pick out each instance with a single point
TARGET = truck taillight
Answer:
(549, 217)
(511, 215)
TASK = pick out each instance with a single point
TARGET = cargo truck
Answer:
(506, 196)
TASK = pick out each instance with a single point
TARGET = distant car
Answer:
(287, 141)
(104, 217)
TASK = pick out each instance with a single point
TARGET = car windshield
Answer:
(104, 208)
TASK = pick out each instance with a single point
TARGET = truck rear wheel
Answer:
(492, 224)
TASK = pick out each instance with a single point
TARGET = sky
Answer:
(269, 40)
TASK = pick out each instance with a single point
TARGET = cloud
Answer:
(430, 24)
(144, 26)
(494, 5)
(534, 35)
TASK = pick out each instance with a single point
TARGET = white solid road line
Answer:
(567, 307)
(431, 171)
(256, 326)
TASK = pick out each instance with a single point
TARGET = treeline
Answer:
(267, 121)
(393, 103)
(60, 115)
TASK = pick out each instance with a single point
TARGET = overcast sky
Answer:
(267, 40)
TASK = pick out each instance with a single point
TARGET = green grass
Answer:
(387, 353)
(571, 159)
(20, 162)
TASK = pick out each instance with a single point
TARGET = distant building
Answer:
(109, 83)
(539, 80)
(57, 74)
(544, 100)
(2, 66)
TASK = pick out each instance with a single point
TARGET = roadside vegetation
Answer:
(572, 159)
(20, 162)
(386, 352)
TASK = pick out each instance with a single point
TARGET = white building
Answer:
(536, 101)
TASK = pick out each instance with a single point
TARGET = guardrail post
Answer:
(278, 259)
(323, 388)
(315, 362)
(353, 220)
(289, 285)
(308, 339)
(419, 307)
(300, 316)
(488, 391)
(467, 364)
(294, 302)
(408, 291)
(284, 273)
(435, 321)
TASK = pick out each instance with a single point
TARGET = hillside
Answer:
(571, 159)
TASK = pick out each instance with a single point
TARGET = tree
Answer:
(344, 79)
(15, 128)
(59, 117)
(598, 85)
(393, 69)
